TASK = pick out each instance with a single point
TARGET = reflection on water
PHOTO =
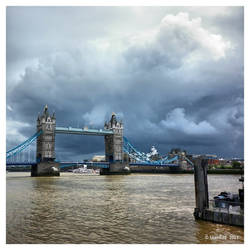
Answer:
(112, 209)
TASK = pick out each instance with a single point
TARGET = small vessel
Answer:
(226, 199)
(85, 170)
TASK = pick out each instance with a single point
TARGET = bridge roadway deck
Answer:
(80, 131)
(94, 164)
(100, 164)
(62, 164)
(154, 164)
(20, 163)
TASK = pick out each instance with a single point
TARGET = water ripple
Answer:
(110, 209)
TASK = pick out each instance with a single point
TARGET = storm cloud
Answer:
(174, 75)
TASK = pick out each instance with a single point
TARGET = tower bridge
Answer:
(116, 146)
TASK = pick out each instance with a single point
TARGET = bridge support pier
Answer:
(46, 169)
(116, 168)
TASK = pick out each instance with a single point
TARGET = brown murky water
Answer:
(137, 208)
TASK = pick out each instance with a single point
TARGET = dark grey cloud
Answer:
(174, 75)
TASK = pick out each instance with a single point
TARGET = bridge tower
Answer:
(45, 150)
(114, 147)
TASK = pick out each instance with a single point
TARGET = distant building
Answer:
(153, 155)
(213, 162)
(184, 160)
(98, 158)
(179, 152)
(127, 158)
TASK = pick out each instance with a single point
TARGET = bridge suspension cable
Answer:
(142, 157)
(23, 145)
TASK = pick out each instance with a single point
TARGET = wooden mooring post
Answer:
(202, 210)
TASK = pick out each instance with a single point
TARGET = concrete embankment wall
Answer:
(153, 169)
(157, 169)
(225, 171)
(220, 217)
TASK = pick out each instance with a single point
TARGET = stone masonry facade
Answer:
(46, 141)
(114, 143)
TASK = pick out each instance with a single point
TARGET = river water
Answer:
(136, 208)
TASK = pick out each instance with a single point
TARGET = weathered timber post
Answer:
(201, 186)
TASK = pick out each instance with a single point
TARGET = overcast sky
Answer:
(174, 75)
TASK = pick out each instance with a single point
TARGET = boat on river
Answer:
(84, 170)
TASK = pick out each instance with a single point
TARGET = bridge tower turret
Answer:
(114, 147)
(114, 143)
(46, 141)
(45, 150)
